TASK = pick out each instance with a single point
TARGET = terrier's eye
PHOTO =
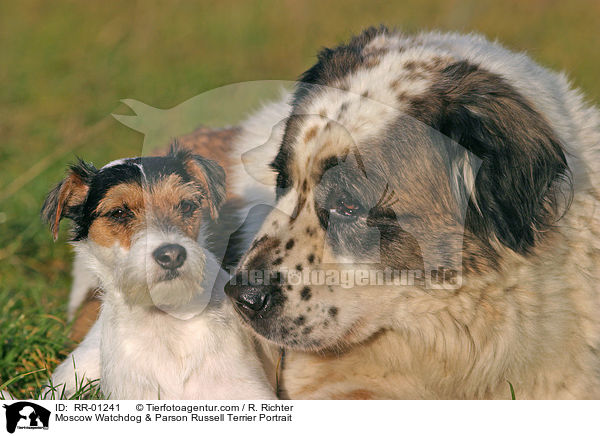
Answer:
(120, 214)
(187, 208)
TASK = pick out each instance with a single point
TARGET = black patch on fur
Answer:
(333, 311)
(300, 320)
(311, 258)
(299, 267)
(518, 185)
(289, 244)
(306, 293)
(278, 261)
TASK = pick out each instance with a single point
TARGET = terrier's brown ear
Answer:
(209, 174)
(66, 199)
(212, 177)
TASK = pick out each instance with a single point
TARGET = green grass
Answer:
(65, 66)
(512, 391)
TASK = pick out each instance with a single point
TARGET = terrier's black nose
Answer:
(170, 256)
(249, 299)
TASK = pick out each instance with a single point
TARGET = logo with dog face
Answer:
(26, 415)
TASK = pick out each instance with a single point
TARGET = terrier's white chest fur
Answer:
(152, 354)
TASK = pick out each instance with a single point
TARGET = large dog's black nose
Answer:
(170, 256)
(249, 299)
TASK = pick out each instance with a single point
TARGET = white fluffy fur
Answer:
(534, 322)
(254, 149)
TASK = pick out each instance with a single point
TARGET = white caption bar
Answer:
(305, 417)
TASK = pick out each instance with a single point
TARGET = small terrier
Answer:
(165, 329)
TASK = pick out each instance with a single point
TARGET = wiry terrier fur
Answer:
(411, 153)
(165, 329)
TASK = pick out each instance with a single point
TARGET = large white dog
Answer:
(426, 155)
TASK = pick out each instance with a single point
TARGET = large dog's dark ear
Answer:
(66, 199)
(209, 174)
(523, 175)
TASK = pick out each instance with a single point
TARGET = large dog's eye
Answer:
(187, 208)
(345, 207)
(120, 214)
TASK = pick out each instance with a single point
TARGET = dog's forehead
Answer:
(148, 169)
(336, 121)
(138, 172)
(356, 108)
(391, 149)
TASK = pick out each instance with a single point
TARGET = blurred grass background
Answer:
(65, 65)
